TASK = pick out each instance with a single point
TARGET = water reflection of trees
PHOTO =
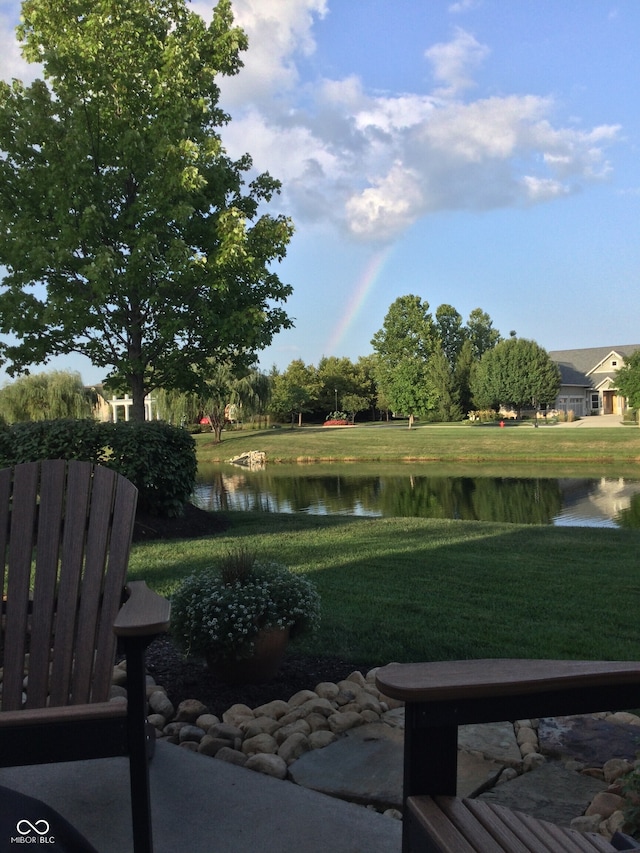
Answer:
(517, 500)
(522, 501)
(630, 516)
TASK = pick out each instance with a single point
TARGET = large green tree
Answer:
(450, 331)
(337, 377)
(127, 232)
(479, 330)
(295, 391)
(444, 380)
(517, 372)
(403, 347)
(628, 380)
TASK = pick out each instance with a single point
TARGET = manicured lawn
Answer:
(459, 444)
(421, 589)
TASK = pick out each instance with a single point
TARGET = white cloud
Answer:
(278, 32)
(463, 6)
(373, 163)
(376, 162)
(543, 189)
(389, 206)
(453, 61)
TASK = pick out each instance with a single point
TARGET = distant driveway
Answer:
(595, 421)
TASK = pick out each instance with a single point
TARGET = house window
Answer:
(595, 402)
(614, 363)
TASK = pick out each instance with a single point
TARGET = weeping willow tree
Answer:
(223, 386)
(176, 407)
(46, 396)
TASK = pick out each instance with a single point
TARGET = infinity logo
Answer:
(40, 827)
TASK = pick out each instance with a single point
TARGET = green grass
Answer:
(463, 443)
(418, 589)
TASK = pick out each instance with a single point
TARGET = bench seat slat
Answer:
(560, 838)
(454, 825)
(534, 834)
(438, 831)
(500, 833)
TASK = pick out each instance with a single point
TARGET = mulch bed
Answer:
(191, 679)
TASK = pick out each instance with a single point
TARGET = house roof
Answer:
(576, 365)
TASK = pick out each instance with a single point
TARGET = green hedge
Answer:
(158, 458)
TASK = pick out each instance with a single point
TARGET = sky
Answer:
(476, 153)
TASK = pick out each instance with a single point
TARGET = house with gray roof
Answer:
(589, 379)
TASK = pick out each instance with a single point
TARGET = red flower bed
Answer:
(336, 423)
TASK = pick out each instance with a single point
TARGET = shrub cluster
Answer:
(484, 415)
(219, 612)
(158, 458)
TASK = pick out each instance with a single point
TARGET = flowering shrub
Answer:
(337, 419)
(219, 612)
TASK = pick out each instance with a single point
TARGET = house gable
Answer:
(610, 364)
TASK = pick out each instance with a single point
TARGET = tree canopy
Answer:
(403, 347)
(628, 379)
(295, 391)
(517, 372)
(127, 232)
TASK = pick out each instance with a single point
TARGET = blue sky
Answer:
(480, 153)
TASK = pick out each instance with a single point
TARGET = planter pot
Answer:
(269, 648)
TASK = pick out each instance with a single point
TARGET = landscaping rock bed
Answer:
(270, 736)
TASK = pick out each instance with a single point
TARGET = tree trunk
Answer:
(138, 394)
(410, 421)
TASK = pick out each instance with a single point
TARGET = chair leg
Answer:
(138, 746)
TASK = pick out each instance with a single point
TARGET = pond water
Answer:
(362, 490)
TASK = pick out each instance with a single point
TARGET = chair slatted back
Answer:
(65, 535)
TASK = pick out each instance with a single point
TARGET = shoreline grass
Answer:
(428, 589)
(461, 444)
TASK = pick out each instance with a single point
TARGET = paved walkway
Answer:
(203, 805)
(595, 421)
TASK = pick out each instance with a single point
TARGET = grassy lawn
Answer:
(421, 589)
(460, 443)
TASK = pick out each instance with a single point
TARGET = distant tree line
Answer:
(435, 367)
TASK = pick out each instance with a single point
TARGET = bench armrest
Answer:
(443, 695)
(492, 678)
(144, 613)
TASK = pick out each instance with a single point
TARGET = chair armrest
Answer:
(144, 612)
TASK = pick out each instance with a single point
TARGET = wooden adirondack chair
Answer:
(443, 695)
(65, 535)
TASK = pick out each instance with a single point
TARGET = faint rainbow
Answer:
(357, 299)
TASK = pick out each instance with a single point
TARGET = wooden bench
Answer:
(441, 696)
(65, 536)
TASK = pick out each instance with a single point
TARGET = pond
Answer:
(365, 490)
